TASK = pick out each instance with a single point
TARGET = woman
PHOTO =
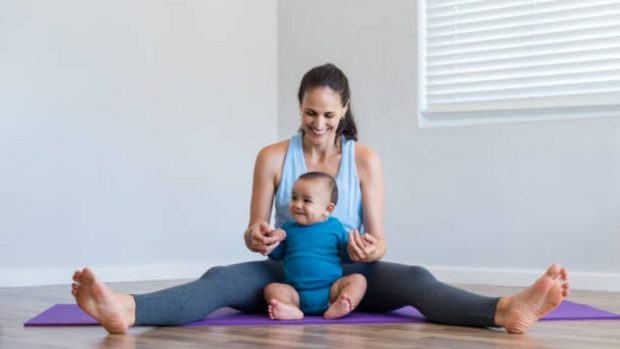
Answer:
(326, 143)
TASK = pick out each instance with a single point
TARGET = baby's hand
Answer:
(279, 233)
(276, 236)
(258, 238)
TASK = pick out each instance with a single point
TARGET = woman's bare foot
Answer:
(341, 307)
(114, 311)
(282, 311)
(518, 312)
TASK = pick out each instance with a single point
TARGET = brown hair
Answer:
(333, 187)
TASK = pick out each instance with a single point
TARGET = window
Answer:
(493, 61)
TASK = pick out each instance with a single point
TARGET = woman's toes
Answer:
(565, 292)
(564, 274)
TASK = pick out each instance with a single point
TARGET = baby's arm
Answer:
(343, 245)
(278, 253)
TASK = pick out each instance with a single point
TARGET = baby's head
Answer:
(315, 195)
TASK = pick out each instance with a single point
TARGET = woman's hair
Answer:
(333, 187)
(328, 75)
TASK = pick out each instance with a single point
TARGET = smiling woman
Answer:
(325, 103)
(327, 143)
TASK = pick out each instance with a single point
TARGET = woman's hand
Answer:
(363, 248)
(259, 237)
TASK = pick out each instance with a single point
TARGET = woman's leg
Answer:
(239, 286)
(393, 285)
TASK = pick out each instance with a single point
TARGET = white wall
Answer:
(490, 204)
(128, 131)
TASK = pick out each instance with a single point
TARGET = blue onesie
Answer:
(313, 256)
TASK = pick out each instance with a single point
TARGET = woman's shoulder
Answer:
(271, 157)
(365, 156)
(367, 161)
(275, 149)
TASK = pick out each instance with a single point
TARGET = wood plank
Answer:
(20, 304)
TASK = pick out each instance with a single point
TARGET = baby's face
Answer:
(310, 202)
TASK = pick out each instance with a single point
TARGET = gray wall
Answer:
(471, 200)
(128, 131)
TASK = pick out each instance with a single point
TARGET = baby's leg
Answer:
(283, 302)
(345, 294)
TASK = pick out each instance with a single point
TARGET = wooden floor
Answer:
(19, 304)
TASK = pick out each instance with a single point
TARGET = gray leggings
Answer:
(240, 286)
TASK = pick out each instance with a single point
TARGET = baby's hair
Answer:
(322, 175)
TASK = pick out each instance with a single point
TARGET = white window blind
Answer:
(519, 58)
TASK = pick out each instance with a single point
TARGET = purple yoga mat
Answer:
(71, 315)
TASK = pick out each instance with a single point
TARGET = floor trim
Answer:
(170, 271)
(578, 280)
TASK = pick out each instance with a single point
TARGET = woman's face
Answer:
(321, 112)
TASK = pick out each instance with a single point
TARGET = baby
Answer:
(312, 249)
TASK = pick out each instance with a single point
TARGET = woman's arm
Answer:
(369, 248)
(258, 237)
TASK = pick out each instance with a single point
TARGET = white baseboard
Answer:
(172, 271)
(59, 276)
(522, 277)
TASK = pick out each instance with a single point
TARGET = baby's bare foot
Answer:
(114, 311)
(282, 311)
(518, 312)
(341, 307)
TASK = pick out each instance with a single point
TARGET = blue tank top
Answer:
(349, 207)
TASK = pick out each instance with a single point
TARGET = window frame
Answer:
(490, 117)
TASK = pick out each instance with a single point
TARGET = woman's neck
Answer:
(320, 152)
